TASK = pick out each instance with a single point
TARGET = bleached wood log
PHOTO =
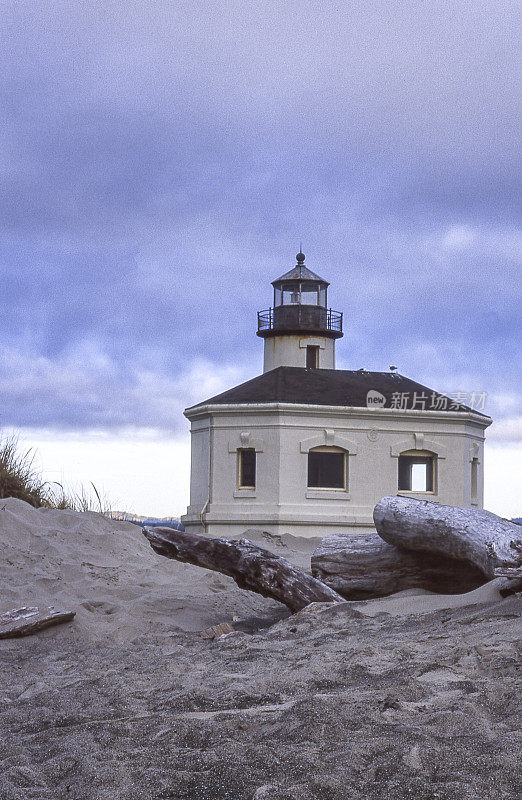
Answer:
(252, 567)
(470, 535)
(362, 566)
(30, 619)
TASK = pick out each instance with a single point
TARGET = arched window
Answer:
(327, 468)
(417, 471)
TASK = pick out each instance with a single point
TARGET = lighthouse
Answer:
(307, 449)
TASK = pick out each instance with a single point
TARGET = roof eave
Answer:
(213, 408)
(312, 277)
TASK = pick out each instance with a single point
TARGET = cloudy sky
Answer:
(160, 163)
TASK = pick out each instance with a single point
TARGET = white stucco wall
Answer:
(290, 351)
(282, 434)
(200, 463)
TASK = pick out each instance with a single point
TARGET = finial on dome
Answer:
(300, 257)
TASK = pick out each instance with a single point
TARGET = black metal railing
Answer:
(334, 320)
(265, 320)
(299, 317)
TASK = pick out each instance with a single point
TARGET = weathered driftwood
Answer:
(471, 535)
(217, 631)
(251, 567)
(362, 566)
(30, 619)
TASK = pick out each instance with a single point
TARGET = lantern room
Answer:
(300, 313)
(300, 304)
(299, 286)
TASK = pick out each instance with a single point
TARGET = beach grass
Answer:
(20, 478)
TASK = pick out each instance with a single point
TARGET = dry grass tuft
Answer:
(19, 478)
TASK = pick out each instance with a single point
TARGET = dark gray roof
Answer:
(336, 387)
(300, 273)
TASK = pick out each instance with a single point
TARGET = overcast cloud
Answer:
(160, 162)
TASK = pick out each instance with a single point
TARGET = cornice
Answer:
(372, 414)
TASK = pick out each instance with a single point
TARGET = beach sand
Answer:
(410, 696)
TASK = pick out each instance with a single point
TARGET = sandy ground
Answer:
(411, 696)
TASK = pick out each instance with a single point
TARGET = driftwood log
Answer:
(470, 535)
(29, 619)
(362, 566)
(251, 567)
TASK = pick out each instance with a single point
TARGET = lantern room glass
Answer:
(291, 294)
(305, 293)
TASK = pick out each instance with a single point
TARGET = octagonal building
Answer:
(308, 449)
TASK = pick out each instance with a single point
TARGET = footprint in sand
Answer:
(99, 607)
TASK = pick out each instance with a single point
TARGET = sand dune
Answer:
(107, 572)
(414, 695)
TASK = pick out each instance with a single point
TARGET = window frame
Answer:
(289, 291)
(427, 457)
(240, 468)
(474, 487)
(307, 292)
(312, 350)
(332, 450)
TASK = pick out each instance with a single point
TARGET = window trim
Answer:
(475, 481)
(418, 442)
(329, 437)
(420, 454)
(327, 494)
(312, 354)
(245, 486)
(332, 449)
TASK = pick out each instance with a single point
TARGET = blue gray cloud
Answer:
(159, 165)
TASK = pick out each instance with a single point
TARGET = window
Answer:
(291, 294)
(327, 468)
(474, 480)
(309, 295)
(417, 471)
(306, 294)
(247, 468)
(312, 357)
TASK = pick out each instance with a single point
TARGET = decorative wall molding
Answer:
(312, 342)
(245, 439)
(326, 494)
(329, 438)
(474, 451)
(417, 441)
